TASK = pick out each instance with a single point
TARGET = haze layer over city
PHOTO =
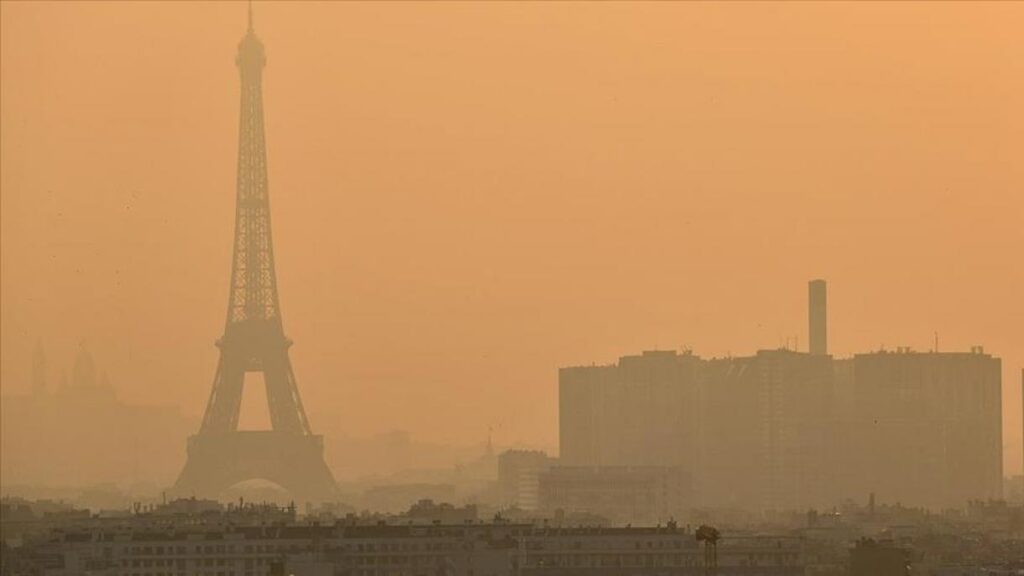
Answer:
(468, 197)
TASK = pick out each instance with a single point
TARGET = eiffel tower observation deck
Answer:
(289, 454)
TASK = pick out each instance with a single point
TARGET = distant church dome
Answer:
(84, 373)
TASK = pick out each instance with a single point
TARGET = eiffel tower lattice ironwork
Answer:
(289, 454)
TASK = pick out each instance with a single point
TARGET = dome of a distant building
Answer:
(84, 373)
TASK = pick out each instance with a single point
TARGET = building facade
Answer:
(519, 474)
(926, 427)
(472, 549)
(784, 430)
(623, 494)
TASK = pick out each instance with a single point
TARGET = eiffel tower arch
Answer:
(289, 454)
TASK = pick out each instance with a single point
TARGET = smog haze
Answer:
(468, 196)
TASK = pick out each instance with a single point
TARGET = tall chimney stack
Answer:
(817, 316)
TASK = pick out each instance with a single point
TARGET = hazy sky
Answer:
(467, 196)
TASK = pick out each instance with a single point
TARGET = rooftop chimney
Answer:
(817, 316)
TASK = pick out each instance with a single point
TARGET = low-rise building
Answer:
(477, 549)
(519, 474)
(623, 494)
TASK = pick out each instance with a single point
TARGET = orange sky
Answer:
(467, 196)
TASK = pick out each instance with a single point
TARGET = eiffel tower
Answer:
(288, 454)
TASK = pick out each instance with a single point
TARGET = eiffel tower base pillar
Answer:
(218, 461)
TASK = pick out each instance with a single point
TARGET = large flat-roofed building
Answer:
(639, 412)
(622, 494)
(749, 432)
(927, 427)
(764, 431)
(784, 430)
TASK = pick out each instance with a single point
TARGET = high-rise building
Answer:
(640, 411)
(926, 427)
(750, 432)
(783, 430)
(764, 431)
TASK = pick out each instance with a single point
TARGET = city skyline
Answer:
(437, 267)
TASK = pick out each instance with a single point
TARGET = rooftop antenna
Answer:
(250, 15)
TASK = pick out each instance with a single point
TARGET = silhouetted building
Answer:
(871, 558)
(395, 498)
(750, 432)
(84, 434)
(783, 430)
(83, 376)
(622, 494)
(925, 428)
(519, 478)
(640, 412)
(764, 428)
(428, 511)
(351, 548)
